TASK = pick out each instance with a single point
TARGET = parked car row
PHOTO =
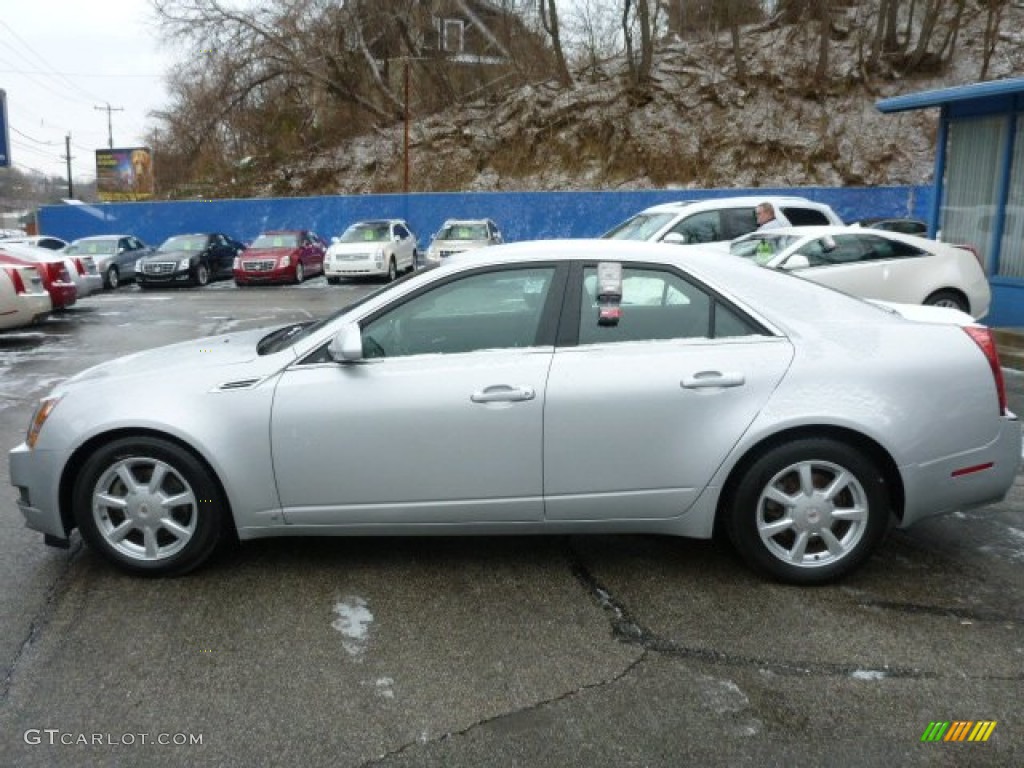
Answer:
(874, 258)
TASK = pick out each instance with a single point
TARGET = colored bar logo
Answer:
(959, 730)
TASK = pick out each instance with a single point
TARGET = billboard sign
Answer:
(124, 174)
(5, 136)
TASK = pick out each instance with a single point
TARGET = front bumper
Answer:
(174, 277)
(35, 475)
(360, 268)
(276, 275)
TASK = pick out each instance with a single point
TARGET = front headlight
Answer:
(237, 263)
(138, 265)
(43, 411)
(286, 261)
(183, 264)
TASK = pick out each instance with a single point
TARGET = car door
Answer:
(639, 415)
(440, 423)
(868, 266)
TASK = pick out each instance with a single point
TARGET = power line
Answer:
(47, 64)
(31, 138)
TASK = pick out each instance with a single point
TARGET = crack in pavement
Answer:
(42, 617)
(628, 629)
(537, 705)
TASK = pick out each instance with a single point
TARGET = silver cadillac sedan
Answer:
(541, 387)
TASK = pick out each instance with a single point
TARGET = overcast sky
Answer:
(59, 60)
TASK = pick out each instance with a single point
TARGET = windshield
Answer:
(184, 243)
(92, 247)
(368, 232)
(284, 240)
(762, 248)
(643, 226)
(463, 232)
(284, 337)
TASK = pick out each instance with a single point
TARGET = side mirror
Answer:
(828, 244)
(347, 344)
(674, 238)
(796, 261)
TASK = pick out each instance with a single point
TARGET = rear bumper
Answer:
(88, 285)
(28, 309)
(63, 294)
(964, 481)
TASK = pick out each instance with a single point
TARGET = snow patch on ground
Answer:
(353, 622)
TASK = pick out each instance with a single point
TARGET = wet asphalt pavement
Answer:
(561, 651)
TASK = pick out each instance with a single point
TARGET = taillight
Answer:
(15, 275)
(79, 266)
(986, 341)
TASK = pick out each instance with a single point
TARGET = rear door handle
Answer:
(713, 380)
(503, 393)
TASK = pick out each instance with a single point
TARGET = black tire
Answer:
(113, 278)
(142, 534)
(950, 299)
(392, 274)
(779, 502)
(300, 273)
(333, 280)
(415, 261)
(202, 275)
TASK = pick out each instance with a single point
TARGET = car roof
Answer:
(100, 237)
(364, 222)
(725, 202)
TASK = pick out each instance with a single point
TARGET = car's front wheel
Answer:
(392, 274)
(202, 275)
(300, 273)
(113, 277)
(149, 506)
(808, 511)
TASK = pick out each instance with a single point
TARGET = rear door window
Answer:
(804, 217)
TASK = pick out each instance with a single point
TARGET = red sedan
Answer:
(56, 279)
(281, 256)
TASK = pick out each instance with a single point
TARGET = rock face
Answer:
(694, 125)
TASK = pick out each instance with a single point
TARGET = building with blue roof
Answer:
(979, 181)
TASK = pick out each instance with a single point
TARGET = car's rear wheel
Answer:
(149, 506)
(202, 274)
(808, 511)
(300, 273)
(950, 299)
(113, 277)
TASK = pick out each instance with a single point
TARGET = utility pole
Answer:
(67, 156)
(110, 125)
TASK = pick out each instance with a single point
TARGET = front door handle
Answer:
(503, 393)
(713, 380)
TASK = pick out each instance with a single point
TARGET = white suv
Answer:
(718, 220)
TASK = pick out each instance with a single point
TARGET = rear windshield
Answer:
(643, 226)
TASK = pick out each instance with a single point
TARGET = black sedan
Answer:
(189, 260)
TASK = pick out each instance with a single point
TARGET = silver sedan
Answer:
(545, 387)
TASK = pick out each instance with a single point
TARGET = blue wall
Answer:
(520, 215)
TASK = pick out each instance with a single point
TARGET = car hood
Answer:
(186, 359)
(267, 253)
(458, 245)
(170, 255)
(369, 246)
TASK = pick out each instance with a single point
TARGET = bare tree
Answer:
(548, 13)
(994, 10)
(639, 18)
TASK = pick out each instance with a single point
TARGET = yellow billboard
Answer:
(124, 174)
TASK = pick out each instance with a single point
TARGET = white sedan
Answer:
(23, 298)
(875, 264)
